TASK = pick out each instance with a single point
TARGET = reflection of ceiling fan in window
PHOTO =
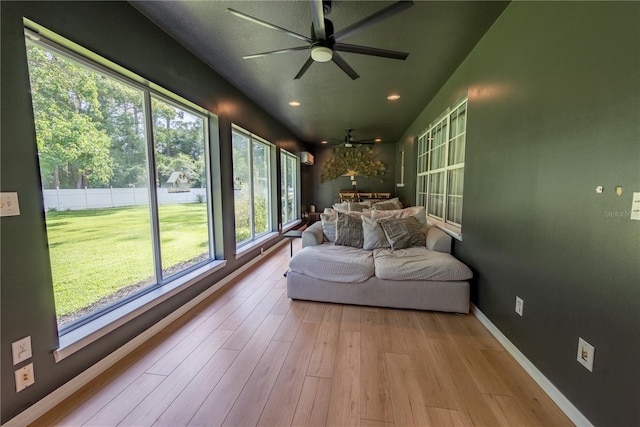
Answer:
(324, 43)
(349, 140)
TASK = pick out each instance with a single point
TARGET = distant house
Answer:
(178, 183)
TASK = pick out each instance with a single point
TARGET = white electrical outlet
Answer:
(9, 204)
(586, 353)
(24, 377)
(21, 350)
(519, 305)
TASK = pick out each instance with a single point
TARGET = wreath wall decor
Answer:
(352, 161)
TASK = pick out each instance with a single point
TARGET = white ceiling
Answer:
(437, 36)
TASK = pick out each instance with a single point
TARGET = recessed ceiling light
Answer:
(323, 142)
(393, 97)
(294, 103)
(377, 140)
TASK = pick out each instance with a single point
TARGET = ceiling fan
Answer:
(349, 141)
(324, 43)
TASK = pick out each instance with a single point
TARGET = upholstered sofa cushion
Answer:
(334, 263)
(418, 263)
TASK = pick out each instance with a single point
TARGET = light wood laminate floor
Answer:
(250, 356)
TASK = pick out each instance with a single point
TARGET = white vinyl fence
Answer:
(96, 198)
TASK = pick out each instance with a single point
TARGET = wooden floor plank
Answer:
(116, 410)
(292, 322)
(220, 401)
(280, 407)
(180, 351)
(315, 313)
(350, 318)
(249, 405)
(324, 352)
(470, 402)
(534, 401)
(187, 403)
(162, 396)
(375, 401)
(313, 405)
(399, 367)
(247, 328)
(344, 404)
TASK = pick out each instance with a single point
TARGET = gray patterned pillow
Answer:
(329, 225)
(403, 232)
(349, 231)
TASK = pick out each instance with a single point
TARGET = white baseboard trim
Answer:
(47, 403)
(547, 386)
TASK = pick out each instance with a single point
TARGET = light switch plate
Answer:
(9, 204)
(21, 350)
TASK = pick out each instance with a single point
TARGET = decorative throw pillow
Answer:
(418, 212)
(403, 232)
(349, 231)
(329, 225)
(343, 207)
(357, 207)
(383, 206)
(373, 234)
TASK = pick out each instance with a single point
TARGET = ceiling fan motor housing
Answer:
(329, 41)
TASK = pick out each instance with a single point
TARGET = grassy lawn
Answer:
(97, 252)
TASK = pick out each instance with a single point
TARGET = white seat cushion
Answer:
(333, 263)
(418, 263)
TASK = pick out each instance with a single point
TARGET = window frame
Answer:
(433, 170)
(285, 155)
(271, 213)
(81, 332)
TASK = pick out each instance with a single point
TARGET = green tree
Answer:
(72, 144)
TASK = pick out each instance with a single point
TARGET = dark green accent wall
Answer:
(118, 32)
(554, 111)
(325, 194)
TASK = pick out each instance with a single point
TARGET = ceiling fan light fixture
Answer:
(321, 53)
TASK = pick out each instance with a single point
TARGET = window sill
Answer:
(90, 332)
(246, 249)
(291, 225)
(451, 230)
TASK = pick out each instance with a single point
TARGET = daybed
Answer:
(426, 277)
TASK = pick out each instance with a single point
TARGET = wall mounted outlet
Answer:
(9, 204)
(586, 353)
(24, 377)
(21, 350)
(519, 305)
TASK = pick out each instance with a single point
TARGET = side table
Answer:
(292, 234)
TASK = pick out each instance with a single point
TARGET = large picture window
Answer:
(290, 172)
(441, 168)
(125, 183)
(252, 158)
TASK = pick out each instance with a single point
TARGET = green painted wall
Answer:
(325, 194)
(117, 31)
(554, 111)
